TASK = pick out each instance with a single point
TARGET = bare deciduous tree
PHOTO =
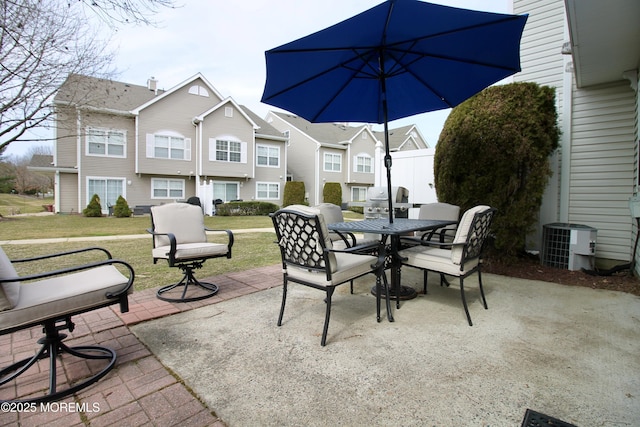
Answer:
(115, 12)
(44, 41)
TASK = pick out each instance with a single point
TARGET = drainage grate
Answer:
(536, 419)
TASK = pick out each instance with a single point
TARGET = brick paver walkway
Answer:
(139, 391)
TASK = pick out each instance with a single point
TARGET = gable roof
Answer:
(102, 94)
(399, 136)
(264, 128)
(322, 132)
(177, 87)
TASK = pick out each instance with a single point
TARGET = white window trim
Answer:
(268, 184)
(268, 147)
(151, 146)
(213, 149)
(237, 184)
(324, 162)
(89, 195)
(356, 162)
(359, 188)
(168, 180)
(106, 145)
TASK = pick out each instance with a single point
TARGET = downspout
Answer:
(136, 125)
(78, 158)
(317, 177)
(566, 137)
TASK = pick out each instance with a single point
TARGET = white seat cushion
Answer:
(63, 295)
(435, 259)
(192, 250)
(348, 266)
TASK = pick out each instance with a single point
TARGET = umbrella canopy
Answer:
(397, 59)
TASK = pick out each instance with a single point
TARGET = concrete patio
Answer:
(567, 352)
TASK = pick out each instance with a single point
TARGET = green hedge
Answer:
(246, 209)
(332, 193)
(494, 149)
(293, 193)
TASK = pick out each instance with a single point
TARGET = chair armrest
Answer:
(343, 235)
(172, 243)
(76, 268)
(60, 254)
(230, 239)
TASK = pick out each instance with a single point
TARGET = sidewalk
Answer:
(139, 390)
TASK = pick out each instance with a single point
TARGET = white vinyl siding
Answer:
(602, 165)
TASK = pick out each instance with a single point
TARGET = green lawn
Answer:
(12, 204)
(250, 250)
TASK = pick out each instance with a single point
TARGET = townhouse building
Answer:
(153, 146)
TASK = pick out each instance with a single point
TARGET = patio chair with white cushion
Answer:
(179, 236)
(84, 280)
(460, 258)
(308, 258)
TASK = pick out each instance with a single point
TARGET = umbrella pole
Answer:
(387, 156)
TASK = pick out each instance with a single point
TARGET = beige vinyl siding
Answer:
(69, 193)
(602, 165)
(217, 126)
(171, 115)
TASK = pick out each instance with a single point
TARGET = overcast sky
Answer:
(226, 40)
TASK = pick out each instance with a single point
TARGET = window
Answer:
(106, 142)
(167, 188)
(108, 189)
(364, 163)
(358, 194)
(226, 191)
(168, 146)
(268, 156)
(268, 190)
(228, 151)
(199, 90)
(332, 162)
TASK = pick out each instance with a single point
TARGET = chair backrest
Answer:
(183, 220)
(472, 231)
(440, 211)
(302, 236)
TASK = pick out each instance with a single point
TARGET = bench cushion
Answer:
(9, 291)
(63, 295)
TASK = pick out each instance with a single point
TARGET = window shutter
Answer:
(150, 143)
(243, 152)
(187, 148)
(212, 150)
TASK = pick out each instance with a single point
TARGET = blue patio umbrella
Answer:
(397, 59)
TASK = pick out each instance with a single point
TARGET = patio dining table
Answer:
(390, 234)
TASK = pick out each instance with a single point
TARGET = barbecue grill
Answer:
(377, 204)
